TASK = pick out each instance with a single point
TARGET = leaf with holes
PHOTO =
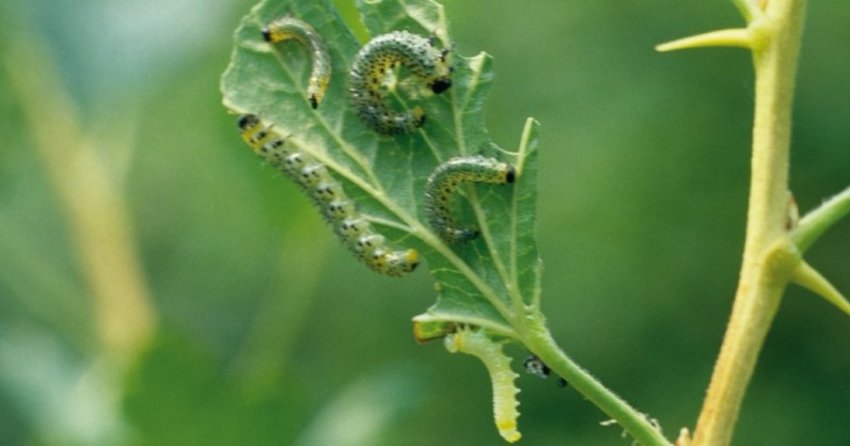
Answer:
(486, 282)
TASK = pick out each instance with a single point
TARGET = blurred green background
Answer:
(258, 334)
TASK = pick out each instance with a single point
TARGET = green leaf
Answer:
(487, 282)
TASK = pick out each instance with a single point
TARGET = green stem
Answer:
(538, 340)
(816, 222)
(764, 275)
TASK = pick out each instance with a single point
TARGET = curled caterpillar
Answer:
(445, 179)
(286, 28)
(369, 69)
(328, 195)
(476, 343)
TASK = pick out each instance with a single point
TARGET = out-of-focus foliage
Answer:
(643, 181)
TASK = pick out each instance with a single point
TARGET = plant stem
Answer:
(97, 212)
(763, 275)
(538, 340)
(816, 222)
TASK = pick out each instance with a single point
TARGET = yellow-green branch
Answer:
(769, 258)
(99, 222)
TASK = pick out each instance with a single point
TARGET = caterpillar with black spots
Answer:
(444, 181)
(328, 195)
(498, 365)
(286, 28)
(368, 73)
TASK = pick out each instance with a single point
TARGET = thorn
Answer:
(684, 437)
(812, 280)
(735, 37)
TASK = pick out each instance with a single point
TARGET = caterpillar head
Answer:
(444, 73)
(247, 121)
(441, 84)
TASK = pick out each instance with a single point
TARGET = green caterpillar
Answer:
(328, 195)
(286, 28)
(476, 343)
(368, 72)
(443, 182)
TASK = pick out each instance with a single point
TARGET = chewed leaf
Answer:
(498, 364)
(510, 267)
(484, 282)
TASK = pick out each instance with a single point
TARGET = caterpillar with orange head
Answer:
(328, 195)
(368, 75)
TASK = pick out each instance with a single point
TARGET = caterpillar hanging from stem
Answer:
(328, 195)
(498, 364)
(286, 28)
(369, 69)
(445, 179)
